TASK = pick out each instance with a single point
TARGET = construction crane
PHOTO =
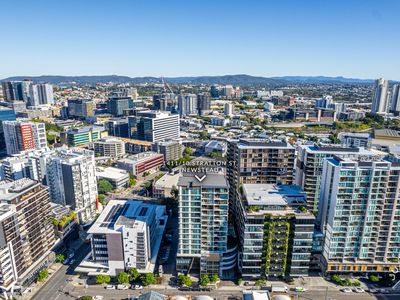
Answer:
(165, 85)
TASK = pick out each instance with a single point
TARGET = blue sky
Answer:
(353, 38)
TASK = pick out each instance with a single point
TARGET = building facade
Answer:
(41, 94)
(111, 147)
(140, 163)
(23, 135)
(83, 135)
(26, 234)
(127, 235)
(380, 100)
(259, 161)
(276, 235)
(117, 105)
(172, 150)
(203, 223)
(80, 108)
(309, 165)
(71, 177)
(154, 126)
(359, 215)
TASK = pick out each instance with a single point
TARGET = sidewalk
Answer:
(35, 287)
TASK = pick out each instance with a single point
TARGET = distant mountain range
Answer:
(240, 79)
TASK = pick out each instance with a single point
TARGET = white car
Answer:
(346, 290)
(110, 287)
(138, 287)
(122, 287)
(359, 290)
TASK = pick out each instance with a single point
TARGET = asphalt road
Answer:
(217, 294)
(57, 285)
(337, 295)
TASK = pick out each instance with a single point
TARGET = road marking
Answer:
(200, 179)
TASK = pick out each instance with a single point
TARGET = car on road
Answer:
(373, 291)
(98, 297)
(122, 287)
(110, 287)
(66, 261)
(346, 290)
(359, 290)
(72, 261)
(71, 255)
(384, 291)
(300, 289)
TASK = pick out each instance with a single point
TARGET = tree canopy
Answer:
(104, 186)
(122, 278)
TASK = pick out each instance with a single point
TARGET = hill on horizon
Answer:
(237, 79)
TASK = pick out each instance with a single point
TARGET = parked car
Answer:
(110, 287)
(359, 290)
(300, 289)
(71, 262)
(346, 290)
(137, 287)
(122, 287)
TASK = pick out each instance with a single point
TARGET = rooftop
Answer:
(167, 181)
(10, 190)
(269, 194)
(85, 129)
(338, 149)
(389, 133)
(129, 213)
(136, 142)
(139, 157)
(253, 143)
(110, 172)
(212, 180)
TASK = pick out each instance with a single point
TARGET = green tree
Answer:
(374, 278)
(42, 275)
(203, 135)
(133, 274)
(185, 280)
(214, 278)
(60, 257)
(122, 278)
(132, 182)
(148, 278)
(104, 186)
(101, 278)
(260, 282)
(174, 192)
(188, 151)
(204, 280)
(102, 198)
(86, 297)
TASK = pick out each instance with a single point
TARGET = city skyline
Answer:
(170, 39)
